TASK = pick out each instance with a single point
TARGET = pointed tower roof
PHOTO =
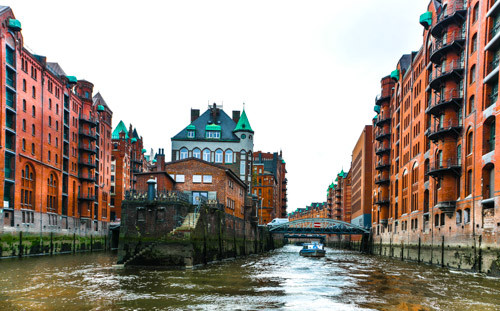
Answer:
(243, 124)
(134, 133)
(118, 129)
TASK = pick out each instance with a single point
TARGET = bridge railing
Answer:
(319, 226)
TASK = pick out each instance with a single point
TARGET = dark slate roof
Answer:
(405, 61)
(269, 165)
(56, 69)
(99, 100)
(226, 123)
(3, 8)
(134, 134)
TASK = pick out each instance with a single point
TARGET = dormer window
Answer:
(212, 134)
(191, 131)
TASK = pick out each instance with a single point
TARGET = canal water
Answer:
(277, 280)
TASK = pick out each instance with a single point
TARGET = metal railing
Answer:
(447, 126)
(446, 69)
(451, 163)
(451, 8)
(447, 96)
(447, 40)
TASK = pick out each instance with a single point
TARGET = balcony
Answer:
(382, 200)
(440, 131)
(381, 120)
(495, 6)
(454, 41)
(444, 167)
(87, 148)
(382, 165)
(137, 161)
(87, 177)
(87, 163)
(453, 70)
(379, 180)
(382, 150)
(451, 98)
(492, 70)
(494, 38)
(87, 119)
(382, 98)
(87, 134)
(382, 134)
(447, 207)
(454, 13)
(86, 197)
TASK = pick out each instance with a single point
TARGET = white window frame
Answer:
(196, 179)
(207, 179)
(219, 156)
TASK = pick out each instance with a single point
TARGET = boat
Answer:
(312, 250)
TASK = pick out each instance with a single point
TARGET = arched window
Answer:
(50, 104)
(184, 153)
(489, 135)
(33, 111)
(24, 85)
(50, 121)
(426, 170)
(466, 215)
(468, 188)
(206, 155)
(475, 12)
(24, 125)
(470, 107)
(34, 92)
(52, 193)
(229, 156)
(196, 153)
(436, 220)
(488, 181)
(219, 156)
(459, 216)
(33, 129)
(24, 144)
(414, 177)
(50, 139)
(27, 187)
(473, 45)
(472, 76)
(470, 143)
(24, 104)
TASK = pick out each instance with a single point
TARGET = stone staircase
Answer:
(188, 224)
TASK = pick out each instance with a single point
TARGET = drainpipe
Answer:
(41, 151)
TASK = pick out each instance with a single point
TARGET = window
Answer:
(50, 121)
(190, 134)
(475, 13)
(229, 156)
(218, 156)
(34, 91)
(33, 111)
(49, 139)
(206, 155)
(473, 47)
(24, 85)
(32, 148)
(24, 125)
(24, 104)
(470, 107)
(27, 187)
(179, 178)
(459, 216)
(33, 129)
(472, 77)
(50, 104)
(466, 215)
(24, 144)
(212, 134)
(489, 135)
(469, 143)
(49, 156)
(196, 153)
(469, 183)
(207, 179)
(196, 179)
(184, 153)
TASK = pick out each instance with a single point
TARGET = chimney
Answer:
(151, 189)
(195, 114)
(236, 116)
(160, 160)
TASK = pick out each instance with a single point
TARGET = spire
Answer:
(118, 129)
(243, 124)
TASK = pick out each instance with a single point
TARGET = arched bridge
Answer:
(318, 226)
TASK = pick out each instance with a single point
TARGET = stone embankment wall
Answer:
(477, 253)
(154, 233)
(22, 243)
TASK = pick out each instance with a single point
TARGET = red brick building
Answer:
(126, 161)
(55, 140)
(269, 185)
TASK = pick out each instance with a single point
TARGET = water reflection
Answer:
(277, 280)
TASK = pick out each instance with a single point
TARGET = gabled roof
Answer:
(118, 129)
(99, 100)
(56, 69)
(226, 123)
(243, 124)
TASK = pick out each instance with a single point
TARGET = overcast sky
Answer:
(307, 71)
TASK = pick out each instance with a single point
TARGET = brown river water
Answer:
(280, 280)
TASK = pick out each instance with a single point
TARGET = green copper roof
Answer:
(144, 151)
(118, 129)
(395, 74)
(426, 19)
(72, 79)
(243, 124)
(212, 127)
(375, 117)
(154, 161)
(191, 127)
(134, 140)
(100, 108)
(376, 109)
(14, 24)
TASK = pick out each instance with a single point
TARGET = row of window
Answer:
(219, 156)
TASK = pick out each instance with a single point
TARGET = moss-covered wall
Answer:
(27, 244)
